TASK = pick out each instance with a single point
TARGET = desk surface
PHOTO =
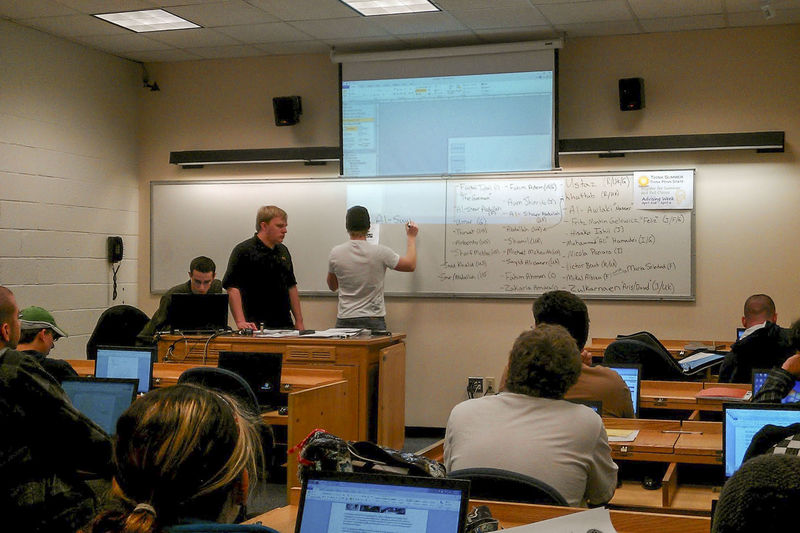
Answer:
(517, 514)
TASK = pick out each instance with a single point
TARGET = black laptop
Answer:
(198, 313)
(262, 371)
(339, 502)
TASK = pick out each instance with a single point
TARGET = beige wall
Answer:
(68, 178)
(695, 82)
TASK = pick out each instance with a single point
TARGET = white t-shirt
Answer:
(360, 267)
(555, 441)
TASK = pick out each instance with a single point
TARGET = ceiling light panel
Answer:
(147, 20)
(370, 8)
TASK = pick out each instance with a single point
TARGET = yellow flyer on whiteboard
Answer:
(663, 189)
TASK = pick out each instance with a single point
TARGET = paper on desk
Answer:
(598, 520)
(272, 333)
(336, 333)
(622, 435)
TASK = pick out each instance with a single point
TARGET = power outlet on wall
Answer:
(474, 387)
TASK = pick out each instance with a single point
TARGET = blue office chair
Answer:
(506, 486)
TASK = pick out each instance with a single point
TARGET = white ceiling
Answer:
(240, 28)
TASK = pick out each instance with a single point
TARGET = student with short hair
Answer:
(530, 429)
(185, 459)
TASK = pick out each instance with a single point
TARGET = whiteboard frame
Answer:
(445, 178)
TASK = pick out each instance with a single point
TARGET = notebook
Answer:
(126, 362)
(198, 312)
(631, 375)
(103, 400)
(760, 377)
(740, 421)
(339, 502)
(262, 371)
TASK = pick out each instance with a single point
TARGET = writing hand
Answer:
(412, 229)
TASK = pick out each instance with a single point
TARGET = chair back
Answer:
(117, 326)
(224, 381)
(507, 486)
(644, 349)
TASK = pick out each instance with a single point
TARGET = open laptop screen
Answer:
(630, 374)
(198, 312)
(760, 377)
(740, 421)
(338, 502)
(103, 400)
(126, 362)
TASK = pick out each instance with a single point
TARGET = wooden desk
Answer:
(681, 395)
(374, 368)
(676, 347)
(517, 514)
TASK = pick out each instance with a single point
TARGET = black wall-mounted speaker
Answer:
(287, 110)
(631, 94)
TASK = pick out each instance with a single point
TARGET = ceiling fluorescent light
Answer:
(147, 20)
(370, 8)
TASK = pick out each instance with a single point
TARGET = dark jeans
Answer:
(367, 322)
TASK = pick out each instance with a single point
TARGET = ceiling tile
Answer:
(500, 18)
(162, 56)
(127, 42)
(300, 47)
(265, 33)
(230, 13)
(755, 18)
(217, 52)
(353, 28)
(652, 9)
(15, 10)
(107, 6)
(536, 33)
(586, 12)
(75, 25)
(455, 38)
(192, 38)
(683, 23)
(306, 9)
(464, 5)
(418, 23)
(366, 44)
(593, 29)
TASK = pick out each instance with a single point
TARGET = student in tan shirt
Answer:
(595, 382)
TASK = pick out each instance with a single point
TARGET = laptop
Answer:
(739, 333)
(339, 502)
(594, 405)
(198, 312)
(126, 362)
(740, 421)
(760, 377)
(103, 400)
(631, 375)
(262, 371)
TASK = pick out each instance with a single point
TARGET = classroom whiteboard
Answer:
(493, 236)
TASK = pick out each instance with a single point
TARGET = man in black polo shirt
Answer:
(260, 278)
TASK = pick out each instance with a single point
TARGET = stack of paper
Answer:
(622, 435)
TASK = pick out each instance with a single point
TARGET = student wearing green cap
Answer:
(38, 335)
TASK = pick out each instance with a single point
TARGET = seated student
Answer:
(763, 495)
(185, 458)
(530, 429)
(201, 281)
(44, 443)
(764, 344)
(595, 382)
(39, 333)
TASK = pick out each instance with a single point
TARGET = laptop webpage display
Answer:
(739, 333)
(126, 362)
(760, 377)
(337, 502)
(262, 371)
(630, 375)
(741, 421)
(198, 312)
(103, 400)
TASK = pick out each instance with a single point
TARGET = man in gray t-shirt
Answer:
(357, 268)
